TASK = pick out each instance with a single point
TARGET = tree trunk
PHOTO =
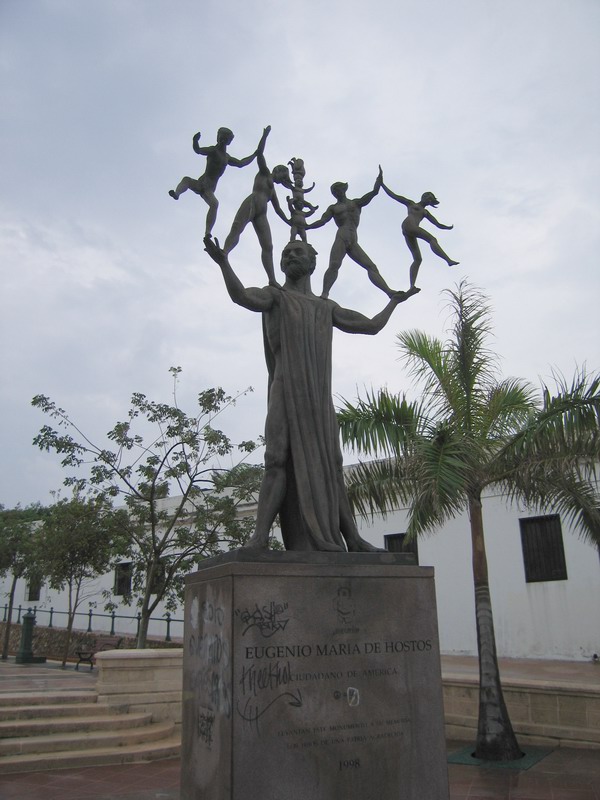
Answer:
(145, 612)
(73, 606)
(496, 740)
(11, 600)
(143, 631)
(146, 609)
(68, 641)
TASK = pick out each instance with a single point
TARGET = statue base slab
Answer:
(312, 675)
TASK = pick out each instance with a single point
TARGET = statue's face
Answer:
(429, 199)
(296, 260)
(281, 174)
(224, 136)
(338, 190)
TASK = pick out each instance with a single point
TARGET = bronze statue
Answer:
(298, 215)
(303, 480)
(346, 214)
(298, 205)
(254, 208)
(413, 232)
(217, 159)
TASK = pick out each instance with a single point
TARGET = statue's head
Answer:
(298, 259)
(281, 174)
(224, 136)
(339, 189)
(429, 199)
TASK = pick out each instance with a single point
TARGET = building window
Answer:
(397, 543)
(34, 589)
(123, 574)
(543, 551)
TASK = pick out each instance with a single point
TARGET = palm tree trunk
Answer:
(496, 740)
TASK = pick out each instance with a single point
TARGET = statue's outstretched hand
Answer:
(214, 250)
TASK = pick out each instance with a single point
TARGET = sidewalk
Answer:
(565, 774)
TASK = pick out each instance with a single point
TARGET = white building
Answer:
(544, 582)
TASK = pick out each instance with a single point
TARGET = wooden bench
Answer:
(102, 643)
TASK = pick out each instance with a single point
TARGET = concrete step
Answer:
(19, 728)
(56, 743)
(461, 726)
(9, 713)
(44, 698)
(98, 756)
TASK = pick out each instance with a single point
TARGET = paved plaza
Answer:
(564, 774)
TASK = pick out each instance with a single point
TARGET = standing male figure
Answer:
(346, 213)
(303, 480)
(217, 159)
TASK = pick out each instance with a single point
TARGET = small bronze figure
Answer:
(346, 214)
(254, 208)
(217, 159)
(413, 232)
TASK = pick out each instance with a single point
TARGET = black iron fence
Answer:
(90, 616)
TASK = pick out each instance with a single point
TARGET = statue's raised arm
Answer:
(252, 298)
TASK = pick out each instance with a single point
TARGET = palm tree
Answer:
(472, 430)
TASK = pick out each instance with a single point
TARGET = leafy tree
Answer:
(18, 553)
(77, 541)
(168, 534)
(471, 430)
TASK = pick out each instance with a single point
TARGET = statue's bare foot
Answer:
(359, 545)
(254, 544)
(273, 282)
(330, 547)
(453, 263)
(173, 194)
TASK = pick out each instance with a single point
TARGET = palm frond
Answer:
(506, 408)
(475, 364)
(441, 475)
(554, 460)
(431, 479)
(427, 363)
(382, 424)
(570, 493)
(566, 429)
(377, 487)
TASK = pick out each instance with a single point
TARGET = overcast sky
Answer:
(493, 106)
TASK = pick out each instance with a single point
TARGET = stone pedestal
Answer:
(312, 676)
(146, 681)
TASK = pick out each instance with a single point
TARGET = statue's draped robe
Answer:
(310, 514)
